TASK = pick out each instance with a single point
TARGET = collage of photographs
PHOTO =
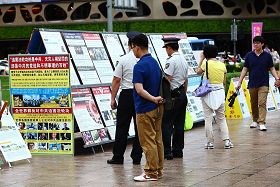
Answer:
(95, 136)
(41, 100)
(45, 136)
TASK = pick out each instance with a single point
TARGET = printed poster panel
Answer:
(194, 103)
(103, 99)
(85, 110)
(53, 42)
(41, 102)
(124, 42)
(275, 92)
(114, 47)
(81, 58)
(99, 57)
(12, 145)
(7, 119)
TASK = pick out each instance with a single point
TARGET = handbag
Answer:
(203, 88)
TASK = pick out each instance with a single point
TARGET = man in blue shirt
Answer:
(258, 63)
(149, 111)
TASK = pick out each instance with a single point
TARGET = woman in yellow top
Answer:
(215, 100)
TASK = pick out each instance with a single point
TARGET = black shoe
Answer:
(177, 155)
(168, 157)
(114, 161)
(136, 162)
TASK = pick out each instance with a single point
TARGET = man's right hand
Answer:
(113, 104)
(238, 86)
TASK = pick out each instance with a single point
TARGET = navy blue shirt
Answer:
(147, 72)
(258, 68)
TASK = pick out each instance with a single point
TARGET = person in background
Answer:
(215, 100)
(258, 63)
(176, 69)
(125, 108)
(275, 56)
(149, 109)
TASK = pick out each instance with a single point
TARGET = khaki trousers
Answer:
(258, 103)
(150, 137)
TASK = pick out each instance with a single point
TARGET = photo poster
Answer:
(12, 145)
(41, 102)
(194, 103)
(242, 100)
(275, 92)
(186, 50)
(99, 57)
(103, 98)
(54, 44)
(114, 47)
(86, 113)
(81, 57)
(124, 42)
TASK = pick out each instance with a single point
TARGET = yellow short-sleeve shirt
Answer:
(216, 71)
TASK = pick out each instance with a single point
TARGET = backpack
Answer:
(165, 92)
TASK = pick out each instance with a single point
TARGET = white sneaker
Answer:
(209, 145)
(262, 127)
(228, 144)
(254, 125)
(143, 178)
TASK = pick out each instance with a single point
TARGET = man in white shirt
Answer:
(125, 109)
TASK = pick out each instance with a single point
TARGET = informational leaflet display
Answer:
(112, 132)
(41, 102)
(12, 145)
(81, 57)
(242, 100)
(53, 42)
(275, 92)
(99, 57)
(54, 45)
(194, 103)
(85, 110)
(103, 99)
(186, 50)
(114, 47)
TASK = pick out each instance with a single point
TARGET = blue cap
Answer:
(171, 40)
(132, 34)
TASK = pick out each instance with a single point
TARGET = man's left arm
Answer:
(274, 73)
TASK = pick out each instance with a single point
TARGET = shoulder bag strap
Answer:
(207, 77)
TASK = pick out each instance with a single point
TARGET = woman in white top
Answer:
(215, 100)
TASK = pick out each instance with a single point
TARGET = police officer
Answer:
(176, 69)
(125, 108)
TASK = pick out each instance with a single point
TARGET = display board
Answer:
(242, 105)
(194, 103)
(99, 57)
(114, 47)
(81, 57)
(12, 145)
(41, 102)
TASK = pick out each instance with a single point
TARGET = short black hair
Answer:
(141, 41)
(258, 39)
(210, 51)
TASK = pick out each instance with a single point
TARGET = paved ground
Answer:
(254, 161)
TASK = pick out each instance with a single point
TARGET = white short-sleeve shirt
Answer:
(124, 70)
(177, 67)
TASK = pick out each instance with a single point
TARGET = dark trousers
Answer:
(125, 112)
(173, 126)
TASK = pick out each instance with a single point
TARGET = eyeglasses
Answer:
(133, 46)
(256, 43)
